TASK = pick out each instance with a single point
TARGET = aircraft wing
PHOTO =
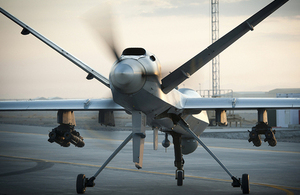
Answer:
(190, 67)
(241, 103)
(53, 105)
(28, 30)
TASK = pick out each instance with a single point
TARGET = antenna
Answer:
(215, 37)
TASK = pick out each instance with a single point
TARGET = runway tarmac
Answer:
(29, 164)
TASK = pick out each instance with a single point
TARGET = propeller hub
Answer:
(123, 74)
(127, 76)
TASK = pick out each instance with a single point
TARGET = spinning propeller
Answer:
(101, 21)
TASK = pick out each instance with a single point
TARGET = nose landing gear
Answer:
(179, 161)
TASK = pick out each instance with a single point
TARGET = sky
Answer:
(173, 30)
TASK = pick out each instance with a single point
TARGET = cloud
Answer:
(149, 8)
(233, 1)
(190, 8)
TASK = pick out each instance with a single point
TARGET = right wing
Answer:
(53, 105)
(240, 103)
(27, 30)
(190, 67)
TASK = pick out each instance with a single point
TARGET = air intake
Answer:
(135, 51)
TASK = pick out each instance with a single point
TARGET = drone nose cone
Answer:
(123, 74)
(127, 76)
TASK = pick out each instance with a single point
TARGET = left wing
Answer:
(53, 105)
(28, 30)
(240, 103)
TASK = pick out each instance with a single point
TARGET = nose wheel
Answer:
(179, 177)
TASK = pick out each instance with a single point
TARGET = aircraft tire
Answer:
(179, 178)
(245, 184)
(80, 184)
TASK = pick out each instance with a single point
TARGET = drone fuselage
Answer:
(135, 84)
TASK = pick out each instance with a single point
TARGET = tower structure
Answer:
(215, 36)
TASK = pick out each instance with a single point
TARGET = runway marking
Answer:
(22, 133)
(256, 150)
(282, 188)
(217, 147)
(278, 187)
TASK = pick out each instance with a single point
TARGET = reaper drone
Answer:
(138, 88)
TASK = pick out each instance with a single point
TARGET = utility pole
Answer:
(215, 37)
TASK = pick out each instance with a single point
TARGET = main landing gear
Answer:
(236, 182)
(82, 182)
(138, 137)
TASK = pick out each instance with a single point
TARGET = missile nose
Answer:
(123, 74)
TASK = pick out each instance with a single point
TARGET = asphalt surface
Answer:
(29, 164)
